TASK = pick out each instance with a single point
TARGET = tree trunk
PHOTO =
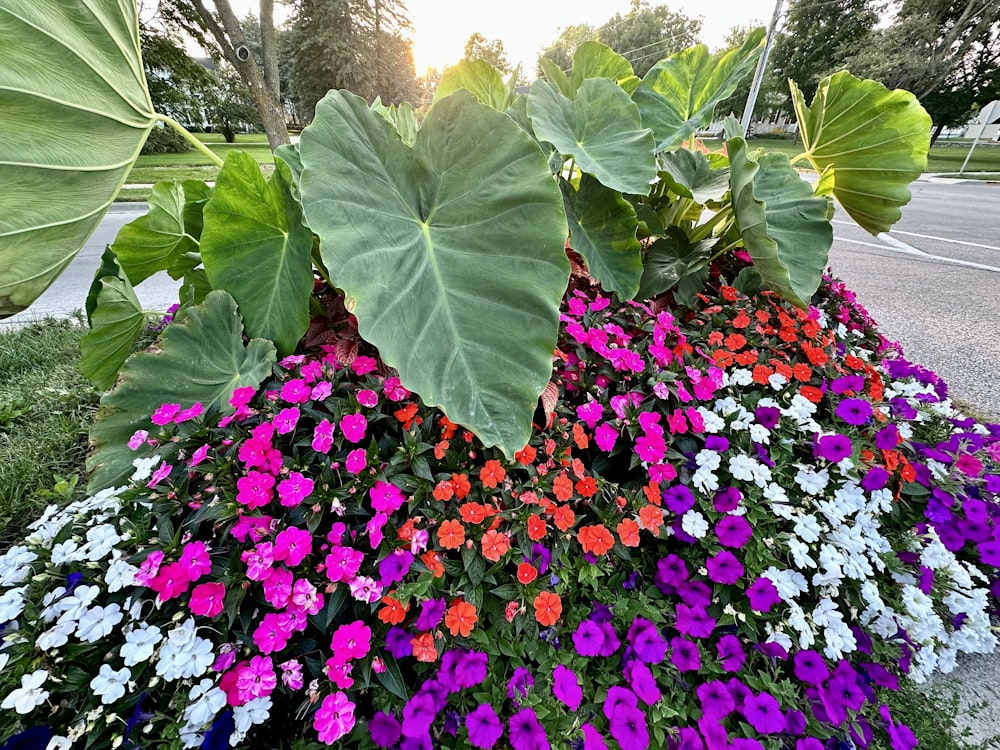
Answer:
(937, 132)
(230, 38)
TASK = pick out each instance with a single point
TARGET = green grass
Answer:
(45, 410)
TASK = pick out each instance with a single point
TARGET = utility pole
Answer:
(758, 74)
(982, 130)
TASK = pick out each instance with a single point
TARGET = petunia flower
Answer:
(566, 687)
(484, 727)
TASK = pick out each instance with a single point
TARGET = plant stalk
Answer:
(191, 139)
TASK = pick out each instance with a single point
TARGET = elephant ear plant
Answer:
(447, 237)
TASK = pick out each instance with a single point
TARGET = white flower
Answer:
(812, 482)
(256, 711)
(705, 481)
(72, 607)
(144, 467)
(100, 541)
(780, 505)
(140, 644)
(777, 381)
(15, 565)
(12, 603)
(713, 422)
(707, 458)
(742, 376)
(66, 552)
(56, 636)
(98, 622)
(694, 524)
(206, 700)
(807, 528)
(800, 554)
(59, 743)
(184, 654)
(760, 434)
(109, 684)
(25, 698)
(119, 575)
(742, 467)
(790, 583)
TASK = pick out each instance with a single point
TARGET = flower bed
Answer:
(733, 526)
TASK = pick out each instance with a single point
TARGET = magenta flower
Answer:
(259, 561)
(605, 436)
(520, 682)
(685, 655)
(727, 499)
(590, 413)
(484, 727)
(354, 427)
(628, 726)
(351, 641)
(343, 563)
(724, 567)
(592, 739)
(835, 447)
(272, 633)
(199, 455)
(278, 587)
(286, 420)
(731, 653)
(255, 489)
(640, 679)
(733, 531)
(693, 621)
(195, 559)
(323, 437)
(809, 667)
(394, 390)
(305, 597)
(162, 472)
(566, 687)
(292, 545)
(363, 365)
(588, 638)
(171, 580)
(291, 674)
(165, 414)
(525, 733)
(293, 490)
(647, 642)
(356, 460)
(335, 718)
(384, 729)
(386, 497)
(242, 396)
(716, 700)
(763, 595)
(854, 411)
(257, 679)
(431, 613)
(207, 599)
(295, 391)
(367, 398)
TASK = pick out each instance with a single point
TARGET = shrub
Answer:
(733, 520)
(164, 140)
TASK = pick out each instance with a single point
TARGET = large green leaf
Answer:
(875, 140)
(690, 174)
(596, 60)
(200, 358)
(255, 246)
(602, 226)
(670, 259)
(116, 320)
(401, 117)
(159, 241)
(678, 95)
(451, 254)
(784, 225)
(75, 113)
(601, 129)
(478, 77)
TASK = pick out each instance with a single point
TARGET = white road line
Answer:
(930, 237)
(898, 246)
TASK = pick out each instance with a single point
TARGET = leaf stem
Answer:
(213, 157)
(800, 157)
(702, 231)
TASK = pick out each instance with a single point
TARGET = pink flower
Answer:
(590, 413)
(286, 420)
(294, 490)
(161, 473)
(256, 527)
(207, 599)
(356, 461)
(291, 674)
(365, 589)
(605, 436)
(677, 422)
(241, 396)
(386, 497)
(969, 465)
(138, 439)
(165, 413)
(339, 673)
(256, 680)
(149, 568)
(394, 390)
(306, 598)
(292, 545)
(278, 587)
(272, 634)
(334, 719)
(351, 641)
(195, 559)
(367, 398)
(363, 365)
(195, 410)
(295, 391)
(353, 426)
(374, 529)
(321, 391)
(343, 563)
(323, 437)
(172, 580)
(259, 561)
(198, 456)
(255, 489)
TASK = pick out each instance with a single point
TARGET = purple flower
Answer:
(835, 447)
(542, 555)
(525, 733)
(678, 498)
(592, 739)
(696, 594)
(484, 727)
(763, 595)
(685, 655)
(763, 713)
(423, 742)
(470, 670)
(767, 416)
(393, 567)
(733, 531)
(714, 733)
(854, 411)
(847, 383)
(566, 687)
(694, 621)
(717, 443)
(588, 638)
(520, 682)
(617, 698)
(727, 499)
(745, 743)
(431, 613)
(716, 700)
(628, 726)
(809, 667)
(647, 642)
(670, 572)
(398, 642)
(887, 438)
(640, 679)
(611, 642)
(384, 729)
(418, 715)
(901, 737)
(731, 653)
(809, 743)
(875, 479)
(725, 568)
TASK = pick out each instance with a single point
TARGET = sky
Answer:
(526, 27)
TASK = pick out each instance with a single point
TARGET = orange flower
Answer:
(651, 519)
(405, 532)
(393, 612)
(564, 517)
(537, 528)
(461, 618)
(802, 372)
(652, 492)
(495, 545)
(740, 321)
(460, 483)
(433, 562)
(562, 487)
(586, 487)
(451, 534)
(408, 415)
(492, 473)
(444, 490)
(812, 393)
(447, 428)
(761, 373)
(548, 608)
(736, 341)
(526, 573)
(473, 512)
(783, 370)
(628, 532)
(423, 648)
(595, 539)
(580, 437)
(746, 358)
(526, 455)
(440, 448)
(715, 338)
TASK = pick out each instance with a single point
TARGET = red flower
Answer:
(564, 517)
(595, 539)
(526, 573)
(492, 473)
(526, 455)
(628, 532)
(495, 545)
(423, 648)
(461, 618)
(537, 528)
(562, 487)
(451, 534)
(548, 608)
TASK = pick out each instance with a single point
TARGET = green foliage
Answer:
(560, 53)
(491, 51)
(164, 140)
(647, 34)
(481, 79)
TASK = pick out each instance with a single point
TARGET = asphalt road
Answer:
(933, 284)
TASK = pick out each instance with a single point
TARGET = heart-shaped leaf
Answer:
(596, 60)
(670, 259)
(255, 246)
(401, 117)
(875, 140)
(451, 254)
(602, 226)
(478, 77)
(690, 174)
(601, 129)
(159, 241)
(200, 358)
(75, 114)
(784, 225)
(116, 320)
(678, 95)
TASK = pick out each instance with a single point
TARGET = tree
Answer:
(946, 51)
(645, 35)
(229, 106)
(351, 44)
(817, 38)
(478, 47)
(562, 49)
(220, 31)
(772, 90)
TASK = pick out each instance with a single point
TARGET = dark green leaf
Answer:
(392, 679)
(690, 174)
(670, 259)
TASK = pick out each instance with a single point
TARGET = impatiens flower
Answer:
(423, 647)
(484, 727)
(495, 545)
(354, 427)
(257, 679)
(291, 674)
(292, 546)
(207, 599)
(548, 608)
(165, 414)
(351, 641)
(334, 719)
(109, 683)
(25, 698)
(461, 619)
(605, 436)
(255, 489)
(356, 460)
(386, 497)
(293, 490)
